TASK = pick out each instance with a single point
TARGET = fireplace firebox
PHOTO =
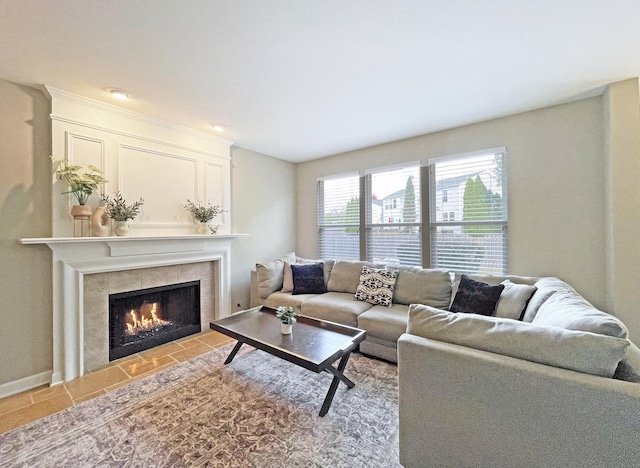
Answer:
(146, 318)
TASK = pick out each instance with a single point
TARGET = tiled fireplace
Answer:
(87, 269)
(98, 288)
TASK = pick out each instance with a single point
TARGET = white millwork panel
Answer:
(141, 157)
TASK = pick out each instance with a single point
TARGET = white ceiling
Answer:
(300, 79)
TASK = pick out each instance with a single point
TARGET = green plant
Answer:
(287, 314)
(81, 184)
(118, 209)
(201, 212)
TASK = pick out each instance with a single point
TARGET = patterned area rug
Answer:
(257, 411)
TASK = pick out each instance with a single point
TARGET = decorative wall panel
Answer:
(140, 156)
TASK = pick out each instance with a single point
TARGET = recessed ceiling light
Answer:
(218, 127)
(117, 93)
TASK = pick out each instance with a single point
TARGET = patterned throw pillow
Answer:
(376, 286)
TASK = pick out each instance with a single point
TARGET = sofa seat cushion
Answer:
(567, 309)
(345, 275)
(423, 286)
(335, 307)
(278, 299)
(574, 350)
(383, 322)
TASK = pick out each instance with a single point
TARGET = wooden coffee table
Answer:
(314, 344)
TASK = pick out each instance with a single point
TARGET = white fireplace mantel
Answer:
(73, 257)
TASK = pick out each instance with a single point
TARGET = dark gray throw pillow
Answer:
(476, 297)
(308, 279)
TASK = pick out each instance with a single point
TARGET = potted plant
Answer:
(203, 213)
(120, 212)
(287, 316)
(81, 184)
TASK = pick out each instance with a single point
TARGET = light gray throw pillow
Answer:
(513, 300)
(574, 350)
(270, 275)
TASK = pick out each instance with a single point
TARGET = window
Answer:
(339, 217)
(477, 242)
(466, 214)
(393, 233)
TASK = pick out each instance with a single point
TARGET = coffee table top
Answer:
(313, 343)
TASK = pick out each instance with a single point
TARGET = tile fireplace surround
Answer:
(87, 269)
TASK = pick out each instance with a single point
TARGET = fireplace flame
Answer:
(145, 318)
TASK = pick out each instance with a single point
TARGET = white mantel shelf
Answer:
(74, 257)
(69, 240)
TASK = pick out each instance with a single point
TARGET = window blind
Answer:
(339, 217)
(393, 216)
(468, 213)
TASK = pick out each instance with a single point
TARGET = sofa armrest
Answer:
(460, 406)
(254, 296)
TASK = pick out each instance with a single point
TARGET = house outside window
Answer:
(474, 237)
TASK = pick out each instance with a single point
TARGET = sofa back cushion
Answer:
(423, 286)
(574, 350)
(345, 275)
(545, 287)
(567, 309)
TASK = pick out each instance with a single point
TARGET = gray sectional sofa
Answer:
(546, 380)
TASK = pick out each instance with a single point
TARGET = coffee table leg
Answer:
(337, 377)
(233, 352)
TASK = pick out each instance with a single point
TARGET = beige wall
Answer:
(621, 119)
(555, 187)
(264, 203)
(25, 211)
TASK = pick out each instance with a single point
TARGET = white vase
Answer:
(203, 228)
(100, 223)
(286, 328)
(121, 228)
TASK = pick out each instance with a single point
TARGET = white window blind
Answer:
(339, 217)
(468, 213)
(393, 216)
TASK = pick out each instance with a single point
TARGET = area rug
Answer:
(257, 411)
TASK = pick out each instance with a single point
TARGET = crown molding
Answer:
(99, 105)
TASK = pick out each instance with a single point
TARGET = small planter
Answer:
(286, 328)
(203, 228)
(121, 228)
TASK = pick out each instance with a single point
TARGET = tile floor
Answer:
(23, 408)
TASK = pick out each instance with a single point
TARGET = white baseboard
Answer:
(17, 386)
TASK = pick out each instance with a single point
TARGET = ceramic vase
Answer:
(100, 222)
(286, 328)
(203, 228)
(121, 228)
